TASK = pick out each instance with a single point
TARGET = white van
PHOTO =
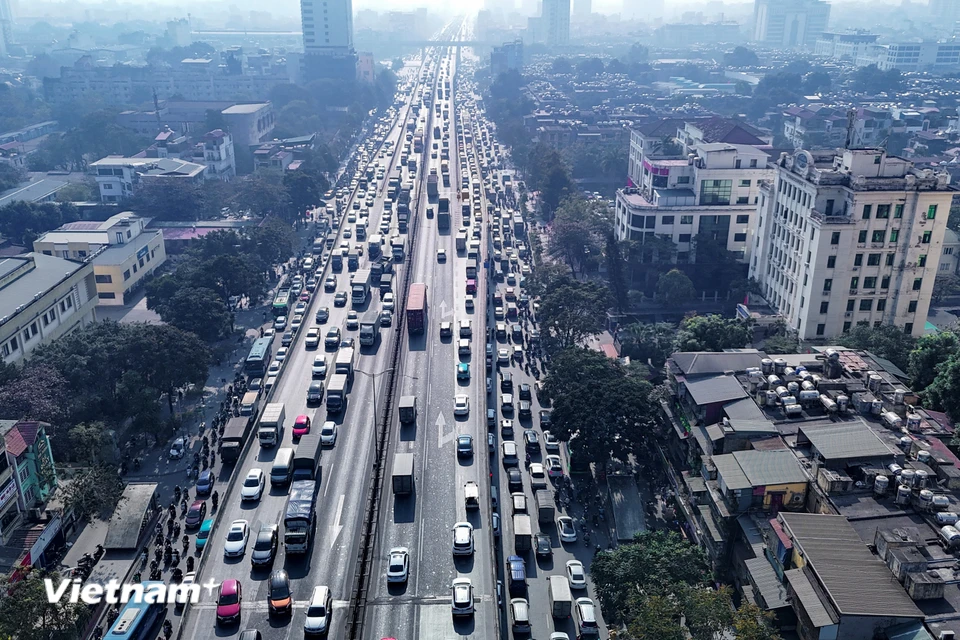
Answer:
(586, 618)
(520, 614)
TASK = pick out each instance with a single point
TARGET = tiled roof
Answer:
(21, 437)
(727, 130)
(660, 128)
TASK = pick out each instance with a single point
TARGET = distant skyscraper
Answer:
(6, 26)
(582, 8)
(945, 12)
(327, 39)
(790, 24)
(556, 21)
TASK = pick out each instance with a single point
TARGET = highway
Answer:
(344, 477)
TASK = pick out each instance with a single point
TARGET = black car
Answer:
(525, 392)
(531, 440)
(514, 479)
(506, 382)
(544, 418)
(464, 445)
(315, 392)
(280, 599)
(265, 547)
(542, 544)
(205, 483)
(524, 411)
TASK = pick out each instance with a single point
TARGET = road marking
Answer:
(442, 438)
(444, 310)
(337, 526)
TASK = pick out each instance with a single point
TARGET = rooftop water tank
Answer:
(920, 480)
(873, 383)
(779, 366)
(832, 354)
(904, 496)
(949, 536)
(947, 518)
(898, 395)
(905, 443)
(891, 419)
(789, 371)
(771, 398)
(925, 500)
(773, 381)
(880, 485)
(941, 502)
(924, 456)
(792, 409)
(809, 395)
(807, 386)
(766, 365)
(843, 403)
(906, 477)
(828, 404)
(895, 469)
(876, 407)
(913, 422)
(793, 388)
(782, 391)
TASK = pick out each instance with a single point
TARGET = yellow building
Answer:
(121, 250)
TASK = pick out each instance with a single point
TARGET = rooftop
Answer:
(245, 108)
(38, 274)
(749, 469)
(715, 389)
(698, 363)
(35, 191)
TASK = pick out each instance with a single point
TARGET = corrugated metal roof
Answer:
(841, 440)
(699, 363)
(123, 530)
(816, 612)
(764, 468)
(765, 579)
(729, 470)
(856, 581)
(716, 389)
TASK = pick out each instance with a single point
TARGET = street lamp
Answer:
(375, 376)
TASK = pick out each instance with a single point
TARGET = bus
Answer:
(259, 359)
(281, 303)
(137, 620)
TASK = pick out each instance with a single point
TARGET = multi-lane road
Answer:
(426, 368)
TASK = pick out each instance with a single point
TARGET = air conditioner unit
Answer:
(856, 269)
(848, 314)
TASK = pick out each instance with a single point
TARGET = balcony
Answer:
(822, 219)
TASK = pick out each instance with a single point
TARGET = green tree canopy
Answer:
(887, 341)
(741, 57)
(572, 311)
(675, 289)
(712, 333)
(27, 614)
(929, 352)
(93, 492)
(616, 271)
(648, 342)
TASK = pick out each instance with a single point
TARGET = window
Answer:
(828, 284)
(686, 219)
(878, 236)
(824, 306)
(828, 210)
(835, 238)
(126, 274)
(739, 237)
(862, 237)
(715, 191)
(885, 282)
(922, 261)
(867, 209)
(870, 282)
(851, 304)
(894, 235)
(898, 211)
(846, 327)
(744, 183)
(684, 237)
(890, 258)
(855, 282)
(743, 200)
(912, 307)
(883, 211)
(948, 251)
(651, 222)
(666, 220)
(881, 304)
(683, 180)
(931, 212)
(858, 260)
(107, 186)
(736, 163)
(866, 304)
(753, 163)
(831, 262)
(917, 284)
(821, 329)
(743, 219)
(908, 328)
(873, 260)
(107, 295)
(927, 235)
(104, 279)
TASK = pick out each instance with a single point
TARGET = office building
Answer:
(506, 57)
(119, 177)
(556, 22)
(848, 46)
(6, 26)
(122, 252)
(790, 24)
(850, 239)
(41, 299)
(328, 39)
(913, 56)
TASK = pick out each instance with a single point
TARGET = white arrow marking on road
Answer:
(337, 527)
(443, 438)
(444, 312)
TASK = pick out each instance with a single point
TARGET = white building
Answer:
(328, 37)
(41, 299)
(850, 239)
(119, 177)
(914, 56)
(847, 46)
(218, 155)
(556, 21)
(790, 24)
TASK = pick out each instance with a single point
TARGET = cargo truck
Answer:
(522, 532)
(433, 183)
(270, 429)
(471, 495)
(408, 409)
(234, 435)
(561, 600)
(396, 248)
(345, 362)
(299, 520)
(360, 288)
(249, 403)
(518, 225)
(307, 457)
(461, 241)
(337, 393)
(404, 194)
(336, 261)
(374, 245)
(402, 474)
(369, 328)
(353, 260)
(546, 508)
(417, 307)
(443, 213)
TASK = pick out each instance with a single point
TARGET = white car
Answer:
(554, 466)
(282, 354)
(568, 532)
(347, 233)
(274, 368)
(463, 346)
(538, 478)
(576, 574)
(441, 255)
(463, 539)
(399, 566)
(388, 301)
(313, 338)
(462, 600)
(353, 321)
(296, 323)
(236, 542)
(461, 405)
(253, 485)
(503, 356)
(319, 369)
(318, 612)
(328, 433)
(550, 442)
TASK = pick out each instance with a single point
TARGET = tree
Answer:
(24, 221)
(887, 341)
(304, 190)
(675, 289)
(561, 66)
(712, 333)
(943, 394)
(616, 66)
(572, 311)
(27, 614)
(944, 286)
(637, 54)
(782, 343)
(200, 311)
(93, 492)
(741, 57)
(655, 618)
(88, 442)
(750, 622)
(261, 195)
(38, 393)
(816, 81)
(159, 370)
(398, 64)
(619, 415)
(707, 612)
(616, 272)
(929, 352)
(78, 192)
(871, 79)
(646, 342)
(590, 68)
(170, 199)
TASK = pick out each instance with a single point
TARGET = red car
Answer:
(301, 427)
(305, 297)
(196, 513)
(228, 602)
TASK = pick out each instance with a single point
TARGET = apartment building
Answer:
(118, 177)
(815, 126)
(41, 299)
(849, 239)
(23, 483)
(121, 250)
(847, 46)
(789, 24)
